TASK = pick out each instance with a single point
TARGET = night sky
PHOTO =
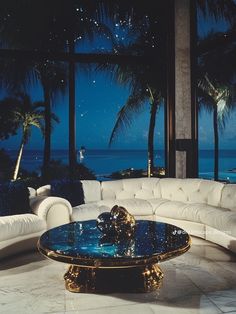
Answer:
(98, 100)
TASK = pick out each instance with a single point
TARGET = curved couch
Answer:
(204, 208)
(21, 232)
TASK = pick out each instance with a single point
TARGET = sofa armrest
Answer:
(55, 211)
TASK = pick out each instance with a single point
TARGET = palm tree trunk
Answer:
(47, 139)
(18, 160)
(216, 144)
(151, 138)
(72, 123)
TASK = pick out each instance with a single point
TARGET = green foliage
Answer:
(57, 171)
(6, 169)
(6, 166)
(31, 179)
(84, 173)
(9, 122)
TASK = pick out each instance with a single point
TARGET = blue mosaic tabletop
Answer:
(83, 240)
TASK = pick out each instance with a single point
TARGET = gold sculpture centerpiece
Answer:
(118, 224)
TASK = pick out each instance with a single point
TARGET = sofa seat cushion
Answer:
(137, 207)
(228, 197)
(134, 206)
(178, 210)
(85, 212)
(19, 225)
(220, 219)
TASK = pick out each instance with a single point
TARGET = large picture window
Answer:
(216, 94)
(99, 72)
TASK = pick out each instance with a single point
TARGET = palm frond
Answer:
(134, 105)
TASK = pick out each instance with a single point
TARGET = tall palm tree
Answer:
(55, 25)
(218, 100)
(135, 104)
(216, 80)
(51, 75)
(28, 115)
(219, 9)
(51, 26)
(146, 81)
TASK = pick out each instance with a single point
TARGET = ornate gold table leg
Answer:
(152, 277)
(80, 279)
(107, 280)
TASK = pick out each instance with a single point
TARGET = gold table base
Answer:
(107, 280)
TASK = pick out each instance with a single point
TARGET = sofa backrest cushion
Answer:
(228, 197)
(192, 190)
(32, 192)
(14, 198)
(92, 190)
(143, 188)
(44, 190)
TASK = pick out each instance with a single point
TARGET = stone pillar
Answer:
(183, 100)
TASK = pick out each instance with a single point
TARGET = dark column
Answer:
(185, 105)
(170, 93)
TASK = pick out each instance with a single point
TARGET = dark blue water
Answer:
(106, 161)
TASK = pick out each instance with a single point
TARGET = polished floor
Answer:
(202, 280)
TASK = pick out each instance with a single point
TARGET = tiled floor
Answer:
(202, 280)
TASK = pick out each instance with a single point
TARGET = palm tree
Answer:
(135, 104)
(28, 115)
(216, 81)
(146, 82)
(217, 99)
(49, 26)
(51, 75)
(52, 26)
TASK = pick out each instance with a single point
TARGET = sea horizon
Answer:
(104, 161)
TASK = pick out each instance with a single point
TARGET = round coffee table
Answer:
(99, 264)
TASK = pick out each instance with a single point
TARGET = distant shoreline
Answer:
(103, 162)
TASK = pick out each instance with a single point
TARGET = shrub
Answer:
(58, 171)
(6, 166)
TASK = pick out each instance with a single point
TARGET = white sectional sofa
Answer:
(203, 208)
(19, 233)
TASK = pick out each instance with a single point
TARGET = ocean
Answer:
(105, 161)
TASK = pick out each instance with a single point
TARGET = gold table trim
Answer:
(105, 275)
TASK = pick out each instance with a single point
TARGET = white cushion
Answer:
(44, 190)
(191, 190)
(92, 210)
(32, 192)
(85, 212)
(228, 197)
(221, 238)
(221, 219)
(177, 210)
(92, 190)
(156, 202)
(141, 188)
(134, 206)
(19, 225)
